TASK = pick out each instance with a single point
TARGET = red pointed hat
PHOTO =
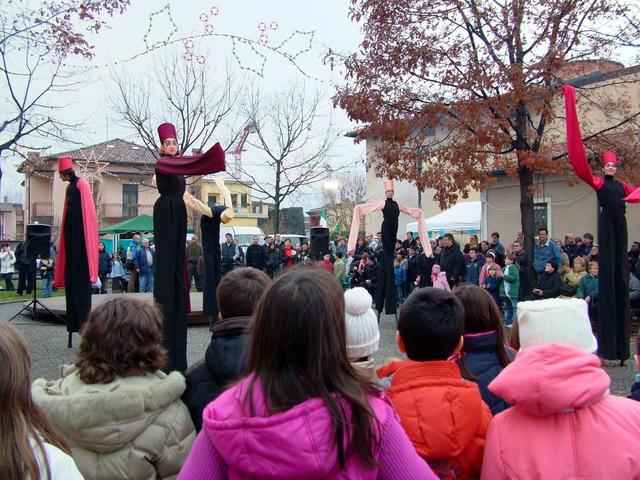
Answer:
(166, 130)
(64, 163)
(609, 157)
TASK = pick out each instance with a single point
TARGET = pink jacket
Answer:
(439, 279)
(294, 444)
(564, 423)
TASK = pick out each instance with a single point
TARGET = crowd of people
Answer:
(287, 388)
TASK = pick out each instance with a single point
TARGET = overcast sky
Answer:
(137, 30)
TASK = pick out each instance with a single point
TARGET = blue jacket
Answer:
(472, 270)
(400, 275)
(480, 357)
(543, 253)
(140, 261)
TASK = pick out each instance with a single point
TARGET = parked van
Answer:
(244, 235)
(295, 239)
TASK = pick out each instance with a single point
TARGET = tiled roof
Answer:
(112, 151)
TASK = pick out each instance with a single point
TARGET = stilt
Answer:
(70, 341)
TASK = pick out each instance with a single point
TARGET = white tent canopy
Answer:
(462, 217)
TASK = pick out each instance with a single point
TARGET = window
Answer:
(541, 214)
(234, 199)
(245, 200)
(129, 201)
(212, 199)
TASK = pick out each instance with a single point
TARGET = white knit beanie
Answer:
(556, 320)
(363, 335)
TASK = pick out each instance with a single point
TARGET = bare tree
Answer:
(294, 140)
(183, 93)
(341, 197)
(35, 40)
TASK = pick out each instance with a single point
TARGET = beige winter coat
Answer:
(133, 428)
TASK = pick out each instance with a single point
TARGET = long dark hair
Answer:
(298, 352)
(21, 420)
(481, 315)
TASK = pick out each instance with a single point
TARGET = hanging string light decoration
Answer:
(208, 32)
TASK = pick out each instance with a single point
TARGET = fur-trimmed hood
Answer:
(105, 417)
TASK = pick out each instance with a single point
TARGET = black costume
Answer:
(386, 289)
(614, 322)
(76, 279)
(211, 253)
(170, 233)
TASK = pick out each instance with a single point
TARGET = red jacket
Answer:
(443, 415)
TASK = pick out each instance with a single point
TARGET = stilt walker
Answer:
(212, 217)
(170, 232)
(386, 289)
(77, 262)
(614, 322)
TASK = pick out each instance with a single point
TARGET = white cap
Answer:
(363, 335)
(556, 320)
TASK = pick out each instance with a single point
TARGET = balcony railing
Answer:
(42, 209)
(120, 210)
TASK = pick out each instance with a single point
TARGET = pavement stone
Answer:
(47, 342)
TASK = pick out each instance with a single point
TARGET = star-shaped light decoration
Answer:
(166, 10)
(92, 169)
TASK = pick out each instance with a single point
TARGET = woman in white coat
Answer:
(7, 260)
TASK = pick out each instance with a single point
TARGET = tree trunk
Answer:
(528, 224)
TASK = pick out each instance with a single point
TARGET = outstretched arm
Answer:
(212, 161)
(358, 211)
(418, 214)
(575, 147)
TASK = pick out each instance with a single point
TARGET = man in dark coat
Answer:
(255, 255)
(451, 260)
(229, 253)
(25, 270)
(413, 268)
(237, 295)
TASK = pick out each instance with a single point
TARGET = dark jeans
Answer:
(8, 282)
(104, 280)
(192, 269)
(25, 279)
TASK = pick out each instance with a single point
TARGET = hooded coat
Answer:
(297, 443)
(223, 361)
(563, 423)
(134, 427)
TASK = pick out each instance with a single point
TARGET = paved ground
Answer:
(47, 346)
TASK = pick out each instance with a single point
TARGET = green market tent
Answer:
(142, 223)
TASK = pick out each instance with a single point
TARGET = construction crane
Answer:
(237, 152)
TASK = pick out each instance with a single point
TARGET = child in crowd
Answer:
(549, 283)
(325, 263)
(588, 286)
(303, 411)
(492, 283)
(29, 446)
(484, 353)
(443, 414)
(237, 296)
(340, 268)
(400, 276)
(579, 270)
(439, 278)
(473, 267)
(118, 280)
(363, 335)
(509, 288)
(489, 259)
(562, 407)
(121, 415)
(45, 266)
